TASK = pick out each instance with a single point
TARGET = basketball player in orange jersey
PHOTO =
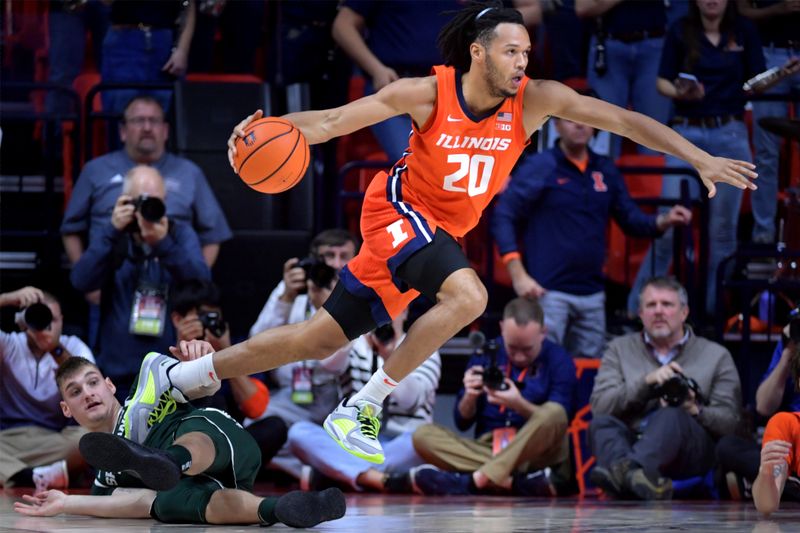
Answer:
(471, 120)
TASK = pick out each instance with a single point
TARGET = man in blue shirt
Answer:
(520, 415)
(558, 204)
(190, 199)
(135, 261)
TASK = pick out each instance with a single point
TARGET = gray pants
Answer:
(578, 323)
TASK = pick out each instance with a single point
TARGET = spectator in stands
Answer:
(520, 408)
(148, 42)
(739, 456)
(307, 390)
(190, 200)
(623, 56)
(37, 446)
(135, 258)
(240, 25)
(409, 406)
(388, 41)
(67, 24)
(197, 314)
(706, 59)
(779, 457)
(649, 423)
(778, 22)
(564, 198)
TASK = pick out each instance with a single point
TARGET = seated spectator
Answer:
(144, 132)
(660, 400)
(135, 258)
(563, 198)
(37, 446)
(706, 59)
(779, 458)
(408, 407)
(197, 314)
(520, 409)
(289, 301)
(307, 390)
(739, 456)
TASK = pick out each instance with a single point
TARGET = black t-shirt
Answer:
(722, 69)
(635, 15)
(162, 14)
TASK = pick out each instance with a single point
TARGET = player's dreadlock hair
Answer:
(474, 23)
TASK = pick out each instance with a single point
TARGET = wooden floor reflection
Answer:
(389, 514)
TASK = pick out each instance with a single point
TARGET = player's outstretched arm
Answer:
(122, 503)
(414, 96)
(545, 98)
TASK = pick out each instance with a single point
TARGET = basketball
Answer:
(273, 155)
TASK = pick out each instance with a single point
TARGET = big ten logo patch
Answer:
(502, 127)
(395, 229)
(250, 138)
(599, 184)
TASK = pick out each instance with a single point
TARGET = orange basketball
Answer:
(273, 155)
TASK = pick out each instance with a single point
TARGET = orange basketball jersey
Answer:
(459, 162)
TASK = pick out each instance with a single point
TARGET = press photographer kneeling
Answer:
(518, 392)
(660, 400)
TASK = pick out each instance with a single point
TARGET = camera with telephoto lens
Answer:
(151, 208)
(676, 389)
(318, 271)
(36, 317)
(384, 334)
(213, 322)
(493, 377)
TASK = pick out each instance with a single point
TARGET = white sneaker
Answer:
(52, 476)
(356, 429)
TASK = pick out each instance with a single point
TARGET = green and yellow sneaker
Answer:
(356, 429)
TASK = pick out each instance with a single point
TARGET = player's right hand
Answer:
(47, 503)
(238, 131)
(721, 169)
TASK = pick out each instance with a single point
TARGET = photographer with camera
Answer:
(37, 446)
(197, 314)
(739, 456)
(135, 259)
(660, 400)
(520, 400)
(409, 406)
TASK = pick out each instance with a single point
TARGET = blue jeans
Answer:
(767, 147)
(132, 55)
(630, 79)
(730, 141)
(393, 133)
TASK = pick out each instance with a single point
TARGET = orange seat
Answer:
(578, 428)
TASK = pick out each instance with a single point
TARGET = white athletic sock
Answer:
(379, 386)
(189, 375)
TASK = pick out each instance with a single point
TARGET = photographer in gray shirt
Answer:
(660, 399)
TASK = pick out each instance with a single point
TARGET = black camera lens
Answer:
(213, 322)
(318, 271)
(151, 208)
(38, 317)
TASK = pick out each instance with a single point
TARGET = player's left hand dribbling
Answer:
(238, 131)
(731, 171)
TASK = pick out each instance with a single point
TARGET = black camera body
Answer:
(676, 389)
(318, 271)
(36, 317)
(213, 322)
(493, 377)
